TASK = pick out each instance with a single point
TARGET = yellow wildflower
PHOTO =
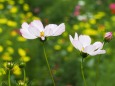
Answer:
(90, 32)
(8, 42)
(113, 18)
(20, 1)
(6, 57)
(16, 70)
(75, 27)
(21, 39)
(25, 58)
(1, 6)
(21, 52)
(92, 21)
(3, 20)
(26, 7)
(11, 2)
(2, 71)
(0, 30)
(29, 14)
(10, 50)
(70, 48)
(99, 15)
(14, 9)
(13, 33)
(11, 23)
(57, 47)
(1, 48)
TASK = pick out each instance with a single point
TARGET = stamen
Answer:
(42, 34)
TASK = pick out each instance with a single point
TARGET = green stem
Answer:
(82, 71)
(48, 66)
(97, 70)
(24, 75)
(97, 67)
(9, 83)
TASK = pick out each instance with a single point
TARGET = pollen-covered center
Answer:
(42, 34)
(82, 49)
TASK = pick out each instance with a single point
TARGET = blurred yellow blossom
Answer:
(113, 18)
(10, 50)
(69, 48)
(35, 18)
(75, 27)
(25, 58)
(90, 32)
(3, 20)
(2, 0)
(21, 1)
(29, 14)
(60, 41)
(2, 71)
(87, 25)
(26, 7)
(65, 34)
(16, 70)
(11, 2)
(11, 23)
(1, 30)
(6, 57)
(1, 48)
(21, 52)
(99, 15)
(13, 33)
(21, 39)
(8, 42)
(14, 9)
(1, 6)
(57, 47)
(92, 21)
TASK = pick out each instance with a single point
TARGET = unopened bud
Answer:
(22, 64)
(108, 37)
(10, 65)
(21, 83)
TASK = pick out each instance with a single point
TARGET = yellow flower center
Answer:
(82, 49)
(42, 34)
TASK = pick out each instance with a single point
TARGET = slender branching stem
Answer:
(82, 71)
(48, 65)
(9, 82)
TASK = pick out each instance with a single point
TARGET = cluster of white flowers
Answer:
(83, 43)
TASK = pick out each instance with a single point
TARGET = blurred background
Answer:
(90, 17)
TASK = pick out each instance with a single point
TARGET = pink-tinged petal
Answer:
(26, 34)
(85, 40)
(98, 52)
(76, 43)
(89, 49)
(33, 30)
(49, 29)
(25, 25)
(76, 36)
(71, 39)
(37, 24)
(98, 45)
(59, 30)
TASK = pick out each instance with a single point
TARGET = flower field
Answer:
(57, 43)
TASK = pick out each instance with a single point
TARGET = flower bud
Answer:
(108, 37)
(10, 65)
(21, 83)
(22, 64)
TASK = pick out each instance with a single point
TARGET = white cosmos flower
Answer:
(83, 44)
(35, 29)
